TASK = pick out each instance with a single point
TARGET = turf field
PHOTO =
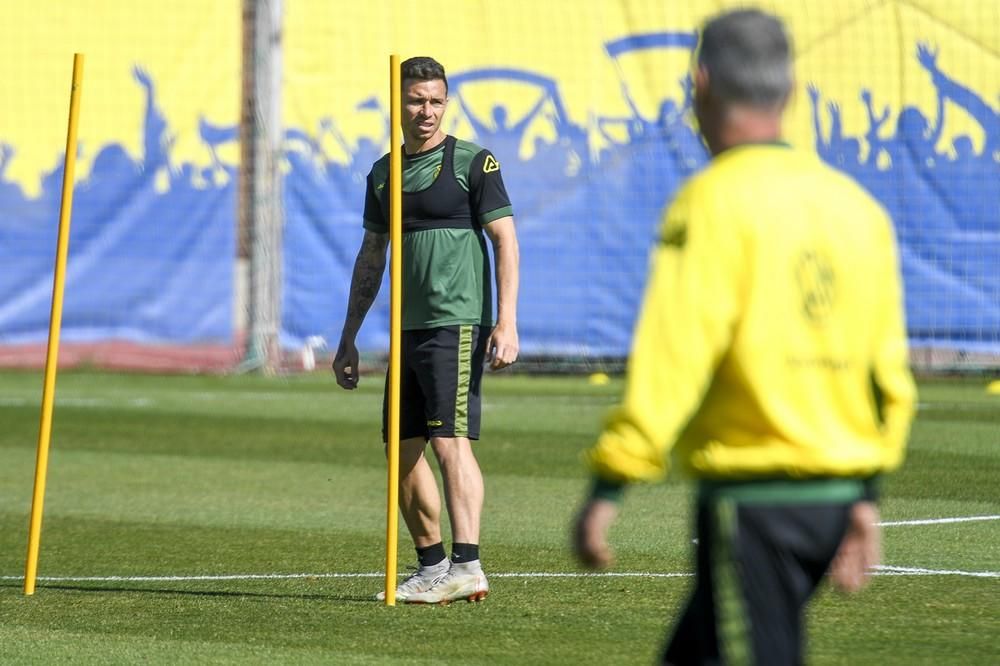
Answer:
(241, 520)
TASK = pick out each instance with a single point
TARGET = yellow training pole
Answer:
(55, 323)
(395, 322)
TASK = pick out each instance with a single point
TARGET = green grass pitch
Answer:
(242, 520)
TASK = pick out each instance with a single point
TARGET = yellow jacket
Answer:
(771, 340)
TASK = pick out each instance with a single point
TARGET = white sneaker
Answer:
(421, 580)
(463, 581)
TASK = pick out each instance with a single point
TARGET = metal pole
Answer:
(261, 192)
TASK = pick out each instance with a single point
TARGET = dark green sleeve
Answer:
(376, 215)
(487, 193)
(871, 489)
(608, 490)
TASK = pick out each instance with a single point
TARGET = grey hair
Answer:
(747, 55)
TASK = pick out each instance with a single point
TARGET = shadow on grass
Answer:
(347, 598)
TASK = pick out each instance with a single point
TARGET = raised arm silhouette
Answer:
(156, 141)
(976, 106)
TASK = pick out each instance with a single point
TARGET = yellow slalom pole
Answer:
(55, 324)
(395, 322)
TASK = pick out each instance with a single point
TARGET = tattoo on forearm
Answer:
(365, 282)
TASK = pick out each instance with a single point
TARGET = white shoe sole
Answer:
(474, 597)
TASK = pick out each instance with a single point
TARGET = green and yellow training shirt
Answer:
(449, 193)
(771, 341)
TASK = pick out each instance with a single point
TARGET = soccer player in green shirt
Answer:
(453, 196)
(771, 354)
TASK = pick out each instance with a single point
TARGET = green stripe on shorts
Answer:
(464, 379)
(730, 610)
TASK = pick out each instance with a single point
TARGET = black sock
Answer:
(464, 552)
(430, 555)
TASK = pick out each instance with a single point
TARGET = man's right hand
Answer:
(590, 533)
(345, 365)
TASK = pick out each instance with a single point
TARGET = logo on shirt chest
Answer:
(817, 283)
(675, 235)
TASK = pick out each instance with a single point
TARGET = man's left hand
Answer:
(860, 551)
(502, 346)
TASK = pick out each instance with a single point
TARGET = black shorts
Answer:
(440, 378)
(758, 564)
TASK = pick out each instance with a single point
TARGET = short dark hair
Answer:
(422, 68)
(747, 55)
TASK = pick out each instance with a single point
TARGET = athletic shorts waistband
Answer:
(780, 491)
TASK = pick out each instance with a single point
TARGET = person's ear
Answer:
(700, 82)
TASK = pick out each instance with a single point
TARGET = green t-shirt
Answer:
(446, 271)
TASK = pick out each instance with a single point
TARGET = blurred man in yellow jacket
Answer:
(770, 353)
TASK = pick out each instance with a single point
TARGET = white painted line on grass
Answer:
(884, 570)
(293, 576)
(593, 574)
(167, 579)
(79, 402)
(938, 521)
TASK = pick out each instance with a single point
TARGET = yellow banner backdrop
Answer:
(584, 102)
